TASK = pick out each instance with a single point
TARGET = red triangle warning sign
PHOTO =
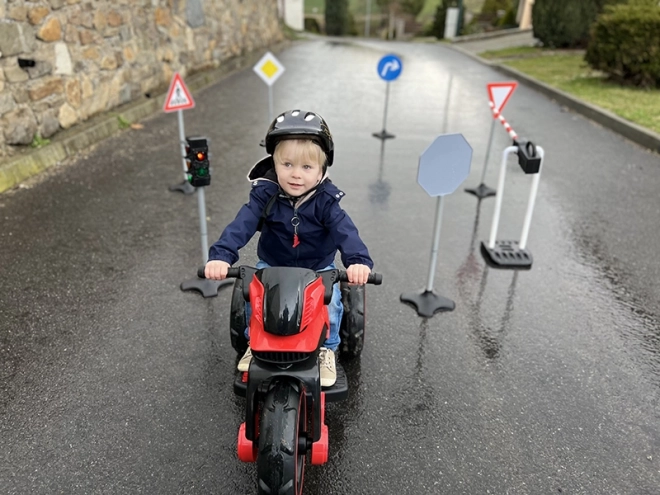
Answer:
(178, 96)
(499, 94)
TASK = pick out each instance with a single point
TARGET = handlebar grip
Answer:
(231, 273)
(374, 278)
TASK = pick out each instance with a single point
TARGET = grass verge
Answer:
(567, 71)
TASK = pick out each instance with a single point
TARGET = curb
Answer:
(633, 132)
(486, 36)
(82, 136)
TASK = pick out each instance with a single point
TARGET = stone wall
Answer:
(63, 61)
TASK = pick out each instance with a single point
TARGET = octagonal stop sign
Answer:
(444, 165)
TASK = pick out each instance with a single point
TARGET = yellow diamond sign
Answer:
(269, 69)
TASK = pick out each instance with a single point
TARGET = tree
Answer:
(336, 17)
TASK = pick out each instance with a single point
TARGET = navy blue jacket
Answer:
(324, 227)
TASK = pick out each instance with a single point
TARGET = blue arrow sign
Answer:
(389, 67)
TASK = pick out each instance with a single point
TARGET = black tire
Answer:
(351, 330)
(280, 464)
(237, 323)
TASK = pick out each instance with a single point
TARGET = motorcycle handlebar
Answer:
(235, 272)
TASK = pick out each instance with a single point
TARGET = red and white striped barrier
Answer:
(497, 115)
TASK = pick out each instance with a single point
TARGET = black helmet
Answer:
(300, 124)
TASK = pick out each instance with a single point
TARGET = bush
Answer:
(625, 43)
(566, 23)
(336, 17)
(508, 20)
(312, 25)
(490, 12)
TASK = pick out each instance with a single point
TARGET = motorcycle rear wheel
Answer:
(280, 461)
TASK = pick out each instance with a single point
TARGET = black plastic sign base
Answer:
(481, 191)
(185, 187)
(383, 135)
(427, 303)
(208, 288)
(507, 255)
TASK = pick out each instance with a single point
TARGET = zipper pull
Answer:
(295, 221)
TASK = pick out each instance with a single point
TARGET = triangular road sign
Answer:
(499, 94)
(178, 96)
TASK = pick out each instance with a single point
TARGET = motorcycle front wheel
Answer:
(282, 440)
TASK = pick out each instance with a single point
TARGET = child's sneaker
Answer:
(244, 363)
(328, 367)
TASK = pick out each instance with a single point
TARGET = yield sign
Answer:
(499, 94)
(178, 96)
(269, 69)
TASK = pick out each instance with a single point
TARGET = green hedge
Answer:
(336, 17)
(566, 23)
(625, 43)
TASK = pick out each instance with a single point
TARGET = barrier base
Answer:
(507, 255)
(208, 288)
(383, 135)
(481, 191)
(427, 303)
(185, 187)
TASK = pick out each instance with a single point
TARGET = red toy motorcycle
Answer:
(285, 404)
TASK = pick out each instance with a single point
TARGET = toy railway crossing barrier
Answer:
(514, 254)
(498, 95)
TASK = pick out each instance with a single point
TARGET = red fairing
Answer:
(314, 317)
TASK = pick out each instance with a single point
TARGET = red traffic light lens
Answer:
(201, 156)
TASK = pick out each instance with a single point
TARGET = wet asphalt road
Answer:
(112, 380)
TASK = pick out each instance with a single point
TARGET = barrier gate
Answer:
(514, 254)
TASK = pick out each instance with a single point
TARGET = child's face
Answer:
(297, 171)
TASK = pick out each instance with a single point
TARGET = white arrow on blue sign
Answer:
(389, 67)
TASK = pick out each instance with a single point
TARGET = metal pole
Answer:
(500, 195)
(387, 97)
(367, 25)
(270, 103)
(201, 204)
(446, 119)
(531, 202)
(182, 141)
(490, 142)
(436, 242)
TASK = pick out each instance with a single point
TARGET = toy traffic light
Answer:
(197, 161)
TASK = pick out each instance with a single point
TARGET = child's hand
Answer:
(216, 270)
(358, 274)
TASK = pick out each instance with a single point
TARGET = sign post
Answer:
(269, 69)
(443, 166)
(179, 99)
(498, 95)
(389, 68)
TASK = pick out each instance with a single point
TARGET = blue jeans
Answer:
(335, 312)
